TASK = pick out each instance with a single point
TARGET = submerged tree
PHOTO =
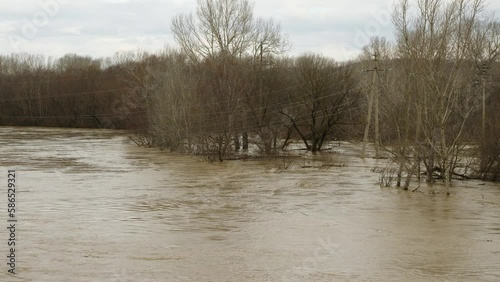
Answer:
(434, 38)
(325, 93)
(225, 33)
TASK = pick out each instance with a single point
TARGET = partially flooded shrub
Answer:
(281, 163)
(387, 175)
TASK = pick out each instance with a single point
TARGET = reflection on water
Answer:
(94, 207)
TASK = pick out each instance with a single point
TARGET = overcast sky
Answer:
(99, 28)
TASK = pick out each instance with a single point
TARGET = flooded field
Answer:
(92, 206)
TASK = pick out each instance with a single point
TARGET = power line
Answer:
(284, 105)
(133, 88)
(244, 120)
(41, 97)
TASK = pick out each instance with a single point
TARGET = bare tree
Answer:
(433, 36)
(227, 29)
(226, 26)
(325, 93)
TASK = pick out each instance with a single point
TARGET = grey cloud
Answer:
(83, 26)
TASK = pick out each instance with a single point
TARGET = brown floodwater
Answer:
(92, 206)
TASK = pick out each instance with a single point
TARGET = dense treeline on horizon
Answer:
(431, 99)
(72, 91)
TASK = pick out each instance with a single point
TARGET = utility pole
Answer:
(484, 68)
(368, 116)
(373, 96)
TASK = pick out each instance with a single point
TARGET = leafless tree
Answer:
(325, 93)
(228, 27)
(433, 37)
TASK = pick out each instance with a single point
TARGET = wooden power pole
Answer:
(484, 69)
(373, 98)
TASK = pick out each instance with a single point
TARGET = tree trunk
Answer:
(430, 170)
(237, 142)
(409, 177)
(377, 133)
(400, 172)
(447, 179)
(245, 141)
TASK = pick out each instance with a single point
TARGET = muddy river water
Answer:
(92, 206)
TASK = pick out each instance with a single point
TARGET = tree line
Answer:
(429, 101)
